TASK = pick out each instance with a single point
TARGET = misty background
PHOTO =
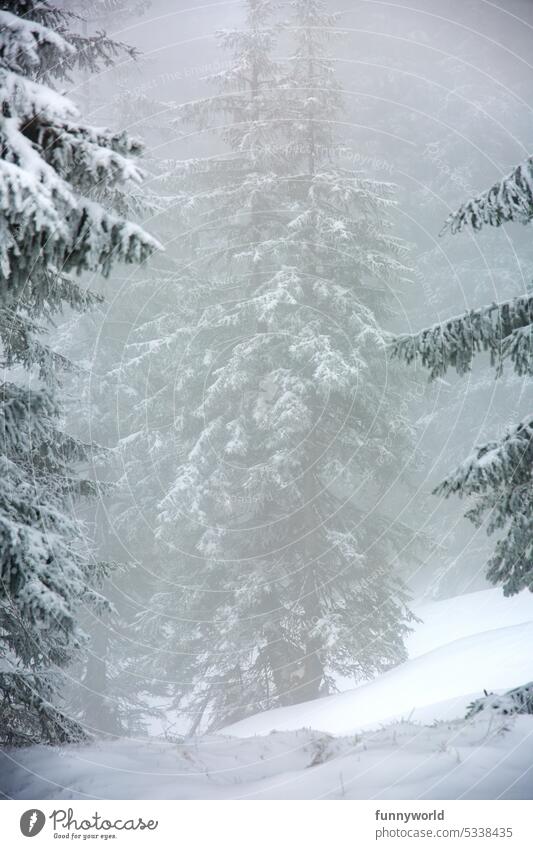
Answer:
(437, 102)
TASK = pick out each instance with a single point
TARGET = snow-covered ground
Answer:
(476, 760)
(400, 736)
(473, 643)
(475, 613)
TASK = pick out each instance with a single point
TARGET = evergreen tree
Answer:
(52, 225)
(279, 561)
(498, 476)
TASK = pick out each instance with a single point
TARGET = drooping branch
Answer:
(504, 330)
(510, 199)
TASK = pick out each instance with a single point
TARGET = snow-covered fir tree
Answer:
(52, 225)
(280, 563)
(497, 478)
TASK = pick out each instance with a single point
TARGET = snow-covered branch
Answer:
(504, 330)
(510, 199)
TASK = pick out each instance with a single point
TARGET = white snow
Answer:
(399, 736)
(458, 651)
(445, 621)
(476, 760)
(434, 686)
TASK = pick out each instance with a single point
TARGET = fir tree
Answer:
(52, 225)
(497, 478)
(277, 580)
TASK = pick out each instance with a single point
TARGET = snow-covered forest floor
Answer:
(475, 760)
(400, 736)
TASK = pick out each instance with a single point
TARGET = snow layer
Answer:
(463, 616)
(435, 685)
(481, 759)
(292, 753)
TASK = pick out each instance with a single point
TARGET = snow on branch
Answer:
(510, 199)
(505, 462)
(502, 329)
(23, 43)
(498, 477)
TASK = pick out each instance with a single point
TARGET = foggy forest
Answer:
(266, 453)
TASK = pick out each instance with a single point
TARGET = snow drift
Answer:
(371, 742)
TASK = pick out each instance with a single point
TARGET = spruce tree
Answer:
(53, 225)
(278, 579)
(497, 478)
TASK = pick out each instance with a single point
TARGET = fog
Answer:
(436, 99)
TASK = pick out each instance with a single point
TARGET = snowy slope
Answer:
(436, 685)
(432, 686)
(455, 653)
(445, 621)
